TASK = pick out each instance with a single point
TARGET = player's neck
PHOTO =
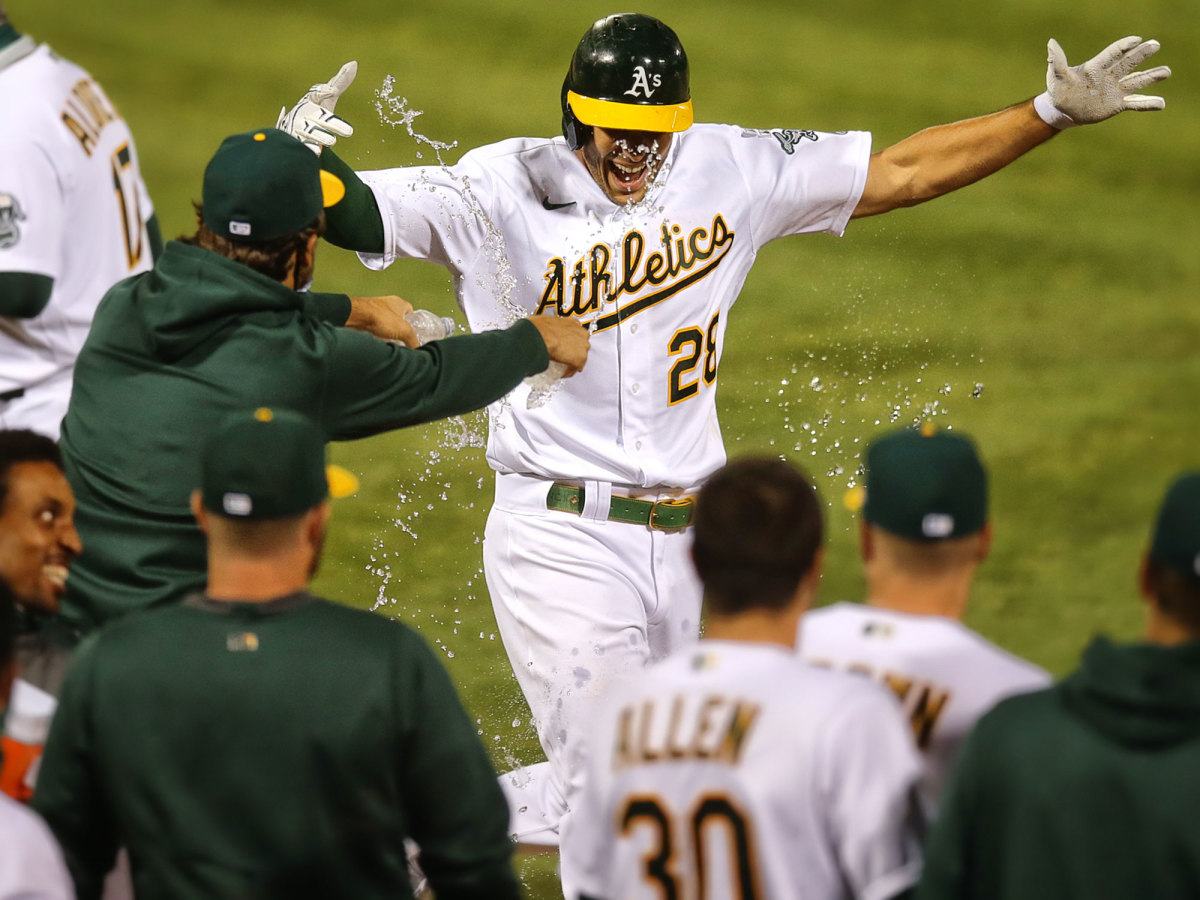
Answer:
(256, 580)
(758, 626)
(944, 595)
(1161, 629)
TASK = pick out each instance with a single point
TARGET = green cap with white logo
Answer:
(261, 185)
(925, 485)
(268, 464)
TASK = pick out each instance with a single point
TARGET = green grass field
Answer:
(1062, 292)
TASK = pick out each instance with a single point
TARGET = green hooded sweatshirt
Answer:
(173, 351)
(1089, 789)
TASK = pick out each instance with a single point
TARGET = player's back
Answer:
(733, 770)
(77, 210)
(945, 675)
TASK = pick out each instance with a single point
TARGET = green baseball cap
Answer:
(264, 184)
(1176, 542)
(925, 485)
(268, 464)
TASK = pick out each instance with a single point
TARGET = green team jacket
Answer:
(261, 750)
(174, 350)
(1090, 789)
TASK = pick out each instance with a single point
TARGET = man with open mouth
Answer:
(644, 226)
(38, 543)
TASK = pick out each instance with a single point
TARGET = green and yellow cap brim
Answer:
(611, 114)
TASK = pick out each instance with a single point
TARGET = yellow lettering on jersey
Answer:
(925, 711)
(744, 716)
(623, 752)
(922, 702)
(95, 103)
(86, 113)
(683, 261)
(552, 296)
(715, 728)
(704, 723)
(86, 139)
(678, 745)
(898, 683)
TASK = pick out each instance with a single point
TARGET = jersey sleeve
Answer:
(869, 773)
(32, 211)
(69, 795)
(433, 213)
(801, 181)
(456, 808)
(373, 386)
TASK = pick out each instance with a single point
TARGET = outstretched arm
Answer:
(946, 157)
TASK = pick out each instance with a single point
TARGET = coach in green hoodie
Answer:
(1090, 789)
(222, 323)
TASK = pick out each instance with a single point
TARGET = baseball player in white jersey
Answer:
(731, 769)
(75, 218)
(645, 226)
(924, 531)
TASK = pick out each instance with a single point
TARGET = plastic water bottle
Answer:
(429, 326)
(543, 384)
(26, 725)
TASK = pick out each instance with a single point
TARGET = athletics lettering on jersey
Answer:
(683, 260)
(714, 729)
(10, 214)
(923, 702)
(86, 113)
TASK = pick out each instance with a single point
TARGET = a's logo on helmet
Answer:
(642, 82)
(10, 215)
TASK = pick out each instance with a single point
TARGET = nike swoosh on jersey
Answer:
(552, 206)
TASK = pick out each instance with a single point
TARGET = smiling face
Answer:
(624, 163)
(38, 540)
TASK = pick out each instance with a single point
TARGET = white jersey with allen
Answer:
(73, 207)
(525, 229)
(945, 674)
(733, 770)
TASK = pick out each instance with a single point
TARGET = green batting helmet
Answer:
(629, 72)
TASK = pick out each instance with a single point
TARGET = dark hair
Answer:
(22, 446)
(8, 625)
(270, 258)
(757, 530)
(1177, 594)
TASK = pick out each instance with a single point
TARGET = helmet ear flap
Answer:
(573, 130)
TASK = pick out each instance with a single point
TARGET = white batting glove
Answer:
(1101, 87)
(312, 120)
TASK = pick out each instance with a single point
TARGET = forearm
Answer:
(944, 158)
(375, 387)
(353, 223)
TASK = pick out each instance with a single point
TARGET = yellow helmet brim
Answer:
(612, 115)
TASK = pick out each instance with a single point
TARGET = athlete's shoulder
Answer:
(38, 82)
(1018, 670)
(518, 153)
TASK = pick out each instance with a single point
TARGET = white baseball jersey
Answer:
(31, 863)
(733, 770)
(73, 207)
(945, 674)
(524, 228)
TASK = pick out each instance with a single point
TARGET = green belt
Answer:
(661, 514)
